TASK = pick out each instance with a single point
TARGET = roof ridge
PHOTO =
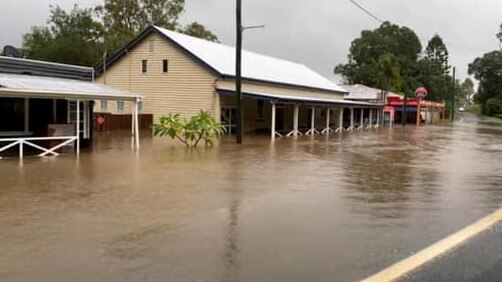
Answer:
(232, 47)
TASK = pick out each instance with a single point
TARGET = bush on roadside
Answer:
(202, 127)
(492, 107)
(474, 109)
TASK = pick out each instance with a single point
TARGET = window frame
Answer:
(103, 105)
(165, 66)
(144, 66)
(120, 106)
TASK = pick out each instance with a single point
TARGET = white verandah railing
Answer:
(66, 140)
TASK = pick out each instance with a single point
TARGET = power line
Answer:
(365, 10)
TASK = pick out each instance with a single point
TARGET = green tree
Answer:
(198, 30)
(436, 51)
(81, 36)
(73, 37)
(466, 93)
(430, 74)
(365, 53)
(388, 76)
(499, 37)
(488, 71)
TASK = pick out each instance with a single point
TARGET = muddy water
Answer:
(323, 209)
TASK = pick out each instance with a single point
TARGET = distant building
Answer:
(363, 93)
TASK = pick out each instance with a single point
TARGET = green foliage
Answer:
(492, 107)
(81, 36)
(389, 58)
(363, 65)
(436, 51)
(488, 70)
(198, 30)
(72, 37)
(202, 127)
(474, 109)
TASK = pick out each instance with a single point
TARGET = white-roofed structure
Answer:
(18, 85)
(254, 66)
(177, 73)
(363, 93)
(48, 106)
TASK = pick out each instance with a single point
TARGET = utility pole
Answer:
(453, 97)
(238, 73)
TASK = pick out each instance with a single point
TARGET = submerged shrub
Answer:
(200, 128)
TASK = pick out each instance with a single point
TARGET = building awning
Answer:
(327, 100)
(30, 86)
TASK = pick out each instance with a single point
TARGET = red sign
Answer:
(421, 92)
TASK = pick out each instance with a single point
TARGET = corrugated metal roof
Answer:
(51, 87)
(363, 92)
(254, 66)
(42, 68)
(318, 99)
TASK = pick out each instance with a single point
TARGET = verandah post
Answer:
(272, 121)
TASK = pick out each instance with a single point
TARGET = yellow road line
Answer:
(426, 255)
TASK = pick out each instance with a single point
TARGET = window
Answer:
(144, 66)
(104, 105)
(165, 66)
(120, 105)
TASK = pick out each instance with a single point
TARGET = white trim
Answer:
(306, 99)
(28, 141)
(42, 94)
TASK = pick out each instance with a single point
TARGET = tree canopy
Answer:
(436, 51)
(488, 70)
(82, 35)
(365, 53)
(390, 57)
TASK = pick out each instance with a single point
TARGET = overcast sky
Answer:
(316, 33)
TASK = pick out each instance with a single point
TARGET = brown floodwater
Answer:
(312, 209)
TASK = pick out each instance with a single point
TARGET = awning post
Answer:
(86, 119)
(78, 127)
(272, 122)
(340, 121)
(370, 126)
(295, 120)
(312, 130)
(133, 125)
(328, 129)
(378, 113)
(136, 123)
(361, 126)
(351, 127)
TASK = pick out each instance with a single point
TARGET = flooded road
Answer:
(323, 209)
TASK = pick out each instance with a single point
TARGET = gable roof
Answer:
(220, 59)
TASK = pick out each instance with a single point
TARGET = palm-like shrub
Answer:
(202, 127)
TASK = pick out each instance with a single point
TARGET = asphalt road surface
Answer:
(480, 259)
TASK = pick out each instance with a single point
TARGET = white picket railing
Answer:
(66, 140)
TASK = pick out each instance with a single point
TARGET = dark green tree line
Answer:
(82, 35)
(396, 49)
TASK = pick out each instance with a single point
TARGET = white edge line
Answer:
(413, 262)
